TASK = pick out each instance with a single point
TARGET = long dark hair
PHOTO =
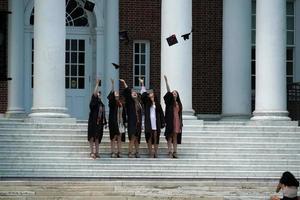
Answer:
(289, 179)
(178, 101)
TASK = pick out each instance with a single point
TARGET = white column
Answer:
(270, 60)
(176, 60)
(49, 59)
(111, 45)
(236, 99)
(16, 59)
(100, 60)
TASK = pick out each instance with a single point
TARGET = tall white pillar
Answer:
(49, 59)
(16, 59)
(236, 99)
(270, 60)
(100, 57)
(176, 60)
(111, 45)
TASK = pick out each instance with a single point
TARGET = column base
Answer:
(188, 114)
(49, 112)
(15, 113)
(52, 120)
(235, 117)
(271, 116)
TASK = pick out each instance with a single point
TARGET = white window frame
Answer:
(147, 63)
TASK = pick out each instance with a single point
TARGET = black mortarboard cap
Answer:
(186, 36)
(172, 40)
(88, 5)
(116, 65)
(123, 36)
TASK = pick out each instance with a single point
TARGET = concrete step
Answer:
(13, 136)
(195, 144)
(182, 162)
(198, 132)
(201, 156)
(248, 128)
(139, 165)
(187, 126)
(142, 173)
(143, 149)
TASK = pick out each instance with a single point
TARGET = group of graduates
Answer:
(129, 111)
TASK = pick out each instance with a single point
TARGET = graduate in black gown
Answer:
(96, 121)
(154, 119)
(134, 119)
(116, 121)
(173, 118)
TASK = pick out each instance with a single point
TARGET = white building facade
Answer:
(57, 49)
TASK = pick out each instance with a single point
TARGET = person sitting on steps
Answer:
(288, 184)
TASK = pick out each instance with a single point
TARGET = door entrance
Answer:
(77, 75)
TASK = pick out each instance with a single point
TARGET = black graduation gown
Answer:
(134, 128)
(160, 121)
(169, 101)
(113, 116)
(95, 129)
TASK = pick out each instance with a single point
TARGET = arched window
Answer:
(75, 14)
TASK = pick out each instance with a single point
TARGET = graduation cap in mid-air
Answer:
(187, 35)
(116, 65)
(123, 36)
(88, 5)
(172, 40)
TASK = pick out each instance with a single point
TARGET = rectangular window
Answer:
(290, 32)
(141, 62)
(74, 64)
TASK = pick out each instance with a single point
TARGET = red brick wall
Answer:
(207, 56)
(3, 58)
(141, 19)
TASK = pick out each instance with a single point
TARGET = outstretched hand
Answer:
(141, 81)
(167, 84)
(124, 83)
(97, 81)
(165, 77)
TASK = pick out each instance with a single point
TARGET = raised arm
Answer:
(96, 87)
(111, 96)
(143, 89)
(278, 187)
(167, 84)
(126, 92)
(112, 84)
(124, 83)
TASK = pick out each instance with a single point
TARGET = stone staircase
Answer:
(229, 152)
